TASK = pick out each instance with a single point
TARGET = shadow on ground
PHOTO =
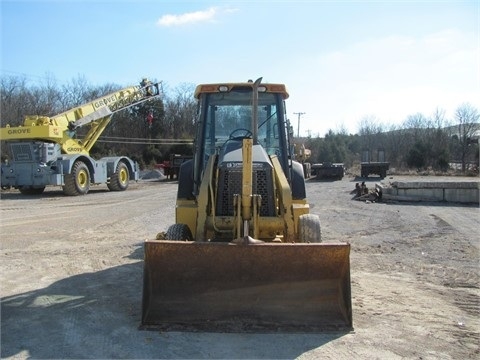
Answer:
(97, 315)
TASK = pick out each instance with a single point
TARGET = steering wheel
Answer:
(246, 134)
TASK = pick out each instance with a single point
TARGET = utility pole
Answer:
(298, 128)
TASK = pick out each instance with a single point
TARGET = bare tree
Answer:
(371, 131)
(438, 139)
(180, 112)
(75, 92)
(44, 98)
(467, 124)
(416, 124)
(12, 89)
(395, 145)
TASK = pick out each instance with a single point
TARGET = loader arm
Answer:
(247, 167)
(247, 175)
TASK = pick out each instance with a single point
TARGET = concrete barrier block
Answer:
(462, 195)
(437, 185)
(425, 193)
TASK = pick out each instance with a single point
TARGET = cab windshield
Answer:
(229, 116)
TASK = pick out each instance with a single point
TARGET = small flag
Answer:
(150, 118)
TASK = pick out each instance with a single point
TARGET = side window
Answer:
(268, 128)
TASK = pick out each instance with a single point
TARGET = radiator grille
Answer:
(22, 152)
(230, 183)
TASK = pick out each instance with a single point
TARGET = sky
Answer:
(342, 61)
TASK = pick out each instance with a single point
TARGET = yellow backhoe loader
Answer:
(245, 254)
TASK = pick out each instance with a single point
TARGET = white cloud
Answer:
(192, 17)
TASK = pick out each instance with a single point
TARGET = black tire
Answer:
(180, 232)
(298, 181)
(309, 228)
(185, 181)
(31, 191)
(78, 181)
(119, 179)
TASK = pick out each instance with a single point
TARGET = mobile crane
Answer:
(45, 151)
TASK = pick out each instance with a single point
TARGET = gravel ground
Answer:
(71, 278)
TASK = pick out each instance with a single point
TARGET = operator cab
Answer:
(226, 114)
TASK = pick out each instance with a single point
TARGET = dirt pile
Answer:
(152, 175)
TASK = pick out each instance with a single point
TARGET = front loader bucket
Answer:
(242, 288)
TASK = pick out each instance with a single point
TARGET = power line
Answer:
(142, 141)
(46, 77)
(146, 142)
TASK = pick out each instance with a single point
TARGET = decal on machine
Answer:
(19, 131)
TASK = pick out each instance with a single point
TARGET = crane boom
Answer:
(97, 113)
(45, 149)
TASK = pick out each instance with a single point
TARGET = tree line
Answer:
(420, 142)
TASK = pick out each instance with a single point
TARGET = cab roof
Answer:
(227, 87)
